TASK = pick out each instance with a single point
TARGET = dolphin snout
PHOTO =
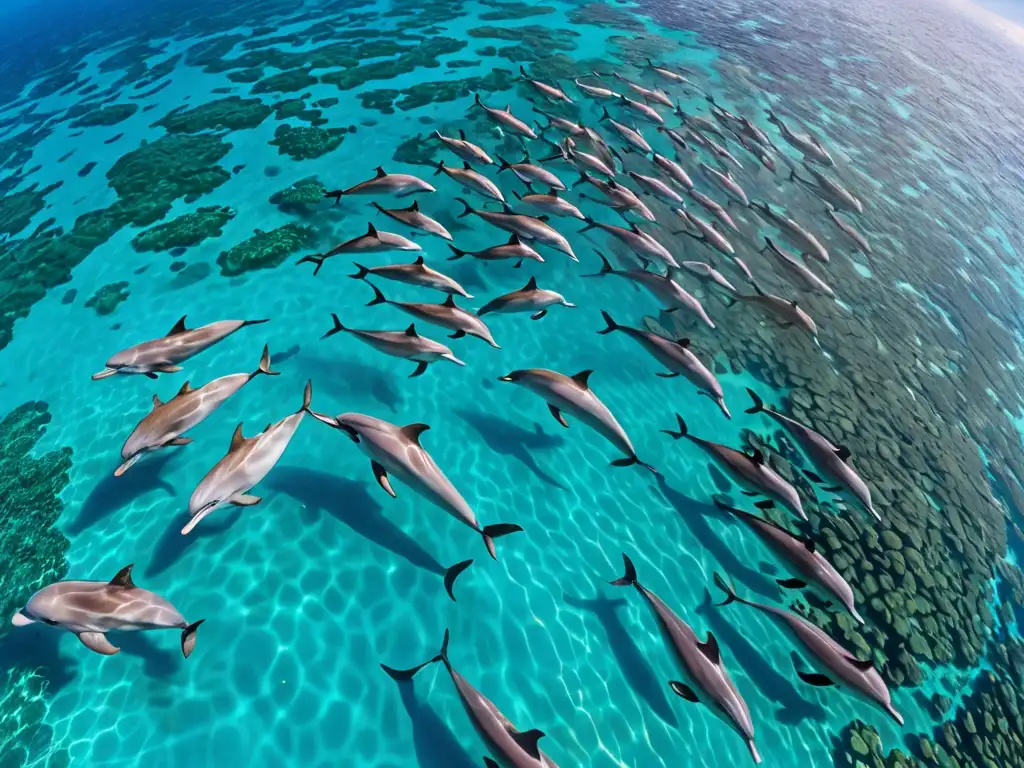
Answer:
(127, 464)
(505, 378)
(104, 374)
(894, 714)
(453, 359)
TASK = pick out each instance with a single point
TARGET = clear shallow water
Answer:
(307, 593)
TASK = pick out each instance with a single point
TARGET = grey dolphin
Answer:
(552, 204)
(806, 145)
(641, 110)
(549, 92)
(677, 139)
(798, 273)
(396, 451)
(726, 182)
(741, 126)
(802, 555)
(656, 95)
(858, 239)
(412, 217)
(384, 183)
(829, 190)
(371, 242)
(663, 288)
(708, 233)
(668, 74)
(759, 151)
(708, 273)
(707, 680)
(164, 425)
(505, 119)
(656, 187)
(674, 170)
(472, 179)
(792, 232)
(832, 460)
(527, 227)
(698, 124)
(529, 298)
(620, 198)
(721, 152)
(163, 355)
(90, 609)
(636, 240)
(406, 344)
(752, 472)
(517, 749)
(529, 174)
(714, 208)
(786, 312)
(247, 462)
(585, 161)
(513, 249)
(466, 150)
(677, 357)
(632, 136)
(597, 91)
(573, 395)
(417, 273)
(568, 127)
(836, 665)
(445, 315)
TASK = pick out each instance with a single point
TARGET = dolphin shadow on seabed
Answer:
(350, 502)
(635, 668)
(160, 661)
(37, 647)
(509, 439)
(349, 378)
(173, 544)
(435, 744)
(695, 514)
(112, 494)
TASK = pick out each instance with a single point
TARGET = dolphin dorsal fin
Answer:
(508, 108)
(415, 206)
(757, 457)
(466, 166)
(450, 301)
(381, 173)
(554, 192)
(811, 545)
(124, 578)
(462, 134)
(179, 327)
(514, 240)
(710, 649)
(412, 432)
(532, 285)
(371, 231)
(842, 453)
(157, 402)
(683, 342)
(527, 741)
(582, 377)
(863, 666)
(185, 388)
(237, 439)
(419, 261)
(411, 330)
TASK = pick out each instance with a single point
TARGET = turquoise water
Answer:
(306, 593)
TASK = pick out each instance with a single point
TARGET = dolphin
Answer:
(802, 555)
(529, 298)
(517, 749)
(641, 110)
(698, 124)
(599, 147)
(568, 127)
(707, 273)
(164, 425)
(530, 174)
(506, 119)
(806, 145)
(752, 472)
(668, 74)
(466, 150)
(707, 680)
(656, 95)
(858, 239)
(384, 183)
(714, 208)
(620, 198)
(832, 460)
(445, 315)
(513, 249)
(636, 240)
(162, 355)
(472, 179)
(829, 190)
(90, 609)
(372, 242)
(798, 272)
(573, 395)
(552, 205)
(417, 273)
(836, 665)
(677, 357)
(412, 217)
(721, 152)
(741, 126)
(663, 288)
(396, 451)
(585, 161)
(726, 182)
(526, 227)
(787, 313)
(677, 139)
(759, 151)
(792, 232)
(632, 136)
(247, 462)
(406, 344)
(656, 187)
(596, 91)
(549, 92)
(708, 233)
(674, 170)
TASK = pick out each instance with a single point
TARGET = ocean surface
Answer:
(305, 594)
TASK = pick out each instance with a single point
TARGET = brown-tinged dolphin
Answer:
(698, 124)
(725, 182)
(530, 174)
(596, 91)
(247, 462)
(677, 139)
(798, 273)
(668, 74)
(833, 461)
(708, 233)
(471, 179)
(641, 110)
(445, 315)
(513, 249)
(829, 190)
(858, 239)
(384, 183)
(713, 207)
(752, 472)
(417, 273)
(674, 170)
(371, 242)
(505, 119)
(407, 345)
(466, 150)
(620, 198)
(585, 161)
(675, 355)
(552, 205)
(742, 127)
(90, 609)
(412, 217)
(164, 425)
(395, 451)
(529, 298)
(806, 145)
(656, 95)
(835, 664)
(631, 136)
(759, 151)
(549, 92)
(163, 355)
(573, 395)
(707, 273)
(515, 748)
(672, 295)
(638, 241)
(568, 127)
(802, 555)
(707, 680)
(792, 231)
(656, 187)
(527, 227)
(786, 312)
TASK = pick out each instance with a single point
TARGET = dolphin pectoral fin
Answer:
(489, 763)
(814, 477)
(382, 479)
(862, 665)
(149, 374)
(833, 488)
(179, 441)
(667, 375)
(683, 691)
(816, 679)
(527, 741)
(791, 583)
(245, 500)
(452, 573)
(491, 532)
(558, 416)
(19, 619)
(97, 641)
(751, 493)
(420, 369)
(457, 335)
(105, 373)
(538, 315)
(166, 368)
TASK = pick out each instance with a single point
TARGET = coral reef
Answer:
(307, 142)
(111, 115)
(300, 196)
(265, 250)
(106, 299)
(289, 81)
(184, 231)
(17, 210)
(232, 113)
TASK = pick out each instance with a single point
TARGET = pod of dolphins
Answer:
(90, 609)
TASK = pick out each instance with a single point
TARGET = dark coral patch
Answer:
(265, 250)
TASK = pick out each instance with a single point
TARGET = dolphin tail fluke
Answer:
(378, 297)
(683, 431)
(492, 532)
(452, 573)
(246, 323)
(457, 253)
(629, 577)
(264, 364)
(407, 674)
(188, 638)
(338, 327)
(307, 397)
(314, 259)
(362, 273)
(758, 405)
(629, 461)
(730, 592)
(611, 325)
(468, 209)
